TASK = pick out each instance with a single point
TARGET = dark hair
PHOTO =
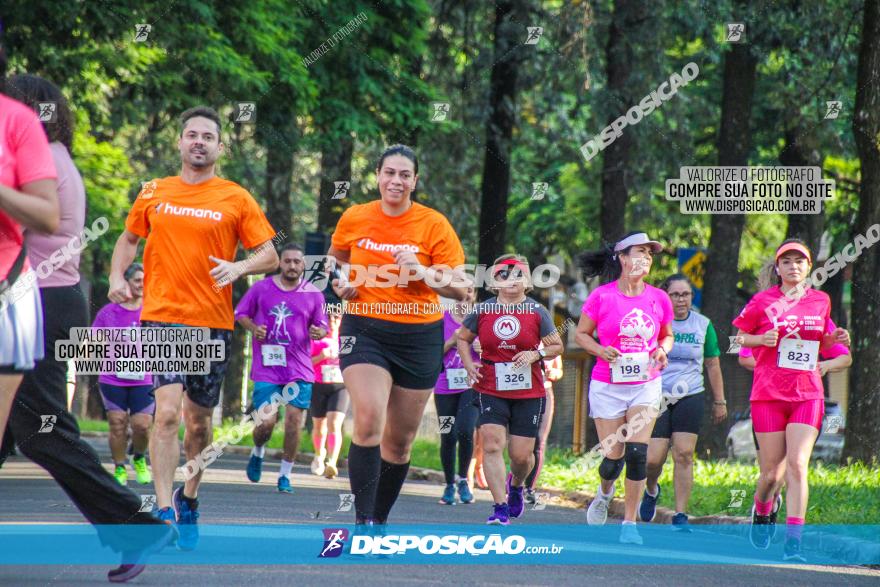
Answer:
(32, 90)
(777, 279)
(132, 269)
(401, 150)
(603, 262)
(291, 247)
(675, 277)
(204, 112)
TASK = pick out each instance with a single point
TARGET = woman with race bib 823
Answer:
(786, 328)
(633, 325)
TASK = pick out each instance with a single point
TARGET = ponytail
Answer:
(600, 263)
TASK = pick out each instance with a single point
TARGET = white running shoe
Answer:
(629, 534)
(317, 466)
(597, 513)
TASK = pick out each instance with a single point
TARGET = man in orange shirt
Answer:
(192, 224)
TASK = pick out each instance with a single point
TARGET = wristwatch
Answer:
(542, 353)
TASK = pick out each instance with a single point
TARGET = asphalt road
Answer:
(28, 495)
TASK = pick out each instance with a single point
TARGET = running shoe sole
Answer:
(125, 573)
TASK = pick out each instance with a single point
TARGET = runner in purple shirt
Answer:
(456, 412)
(284, 314)
(127, 393)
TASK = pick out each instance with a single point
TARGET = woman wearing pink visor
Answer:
(786, 325)
(627, 325)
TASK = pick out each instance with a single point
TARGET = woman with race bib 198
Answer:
(786, 326)
(633, 323)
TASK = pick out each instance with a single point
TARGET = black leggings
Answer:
(71, 461)
(461, 406)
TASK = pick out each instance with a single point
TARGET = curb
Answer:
(851, 550)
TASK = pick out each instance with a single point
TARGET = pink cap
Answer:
(794, 247)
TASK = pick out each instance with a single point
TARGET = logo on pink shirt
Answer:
(636, 329)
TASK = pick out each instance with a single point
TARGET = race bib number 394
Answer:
(630, 367)
(274, 355)
(797, 354)
(508, 378)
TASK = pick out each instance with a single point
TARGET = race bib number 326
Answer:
(508, 378)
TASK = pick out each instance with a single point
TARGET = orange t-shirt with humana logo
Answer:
(184, 224)
(371, 237)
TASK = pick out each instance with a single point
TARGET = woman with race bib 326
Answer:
(627, 325)
(510, 380)
(786, 326)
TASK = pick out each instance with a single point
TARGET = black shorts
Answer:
(411, 353)
(203, 390)
(685, 415)
(522, 417)
(328, 397)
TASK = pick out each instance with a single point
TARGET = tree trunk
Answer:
(807, 227)
(235, 373)
(277, 134)
(335, 166)
(721, 275)
(863, 412)
(495, 186)
(626, 24)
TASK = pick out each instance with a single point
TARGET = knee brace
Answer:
(636, 461)
(610, 469)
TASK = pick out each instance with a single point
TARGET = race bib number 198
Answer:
(630, 367)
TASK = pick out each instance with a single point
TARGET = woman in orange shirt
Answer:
(402, 255)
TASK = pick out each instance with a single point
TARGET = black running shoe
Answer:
(762, 531)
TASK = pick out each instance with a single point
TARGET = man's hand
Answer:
(345, 292)
(119, 291)
(317, 332)
(259, 332)
(225, 272)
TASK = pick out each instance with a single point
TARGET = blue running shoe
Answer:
(500, 515)
(680, 522)
(515, 502)
(448, 495)
(284, 484)
(187, 521)
(255, 468)
(464, 492)
(167, 515)
(648, 506)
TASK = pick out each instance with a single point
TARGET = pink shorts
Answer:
(774, 416)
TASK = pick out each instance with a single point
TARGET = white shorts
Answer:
(612, 400)
(21, 329)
